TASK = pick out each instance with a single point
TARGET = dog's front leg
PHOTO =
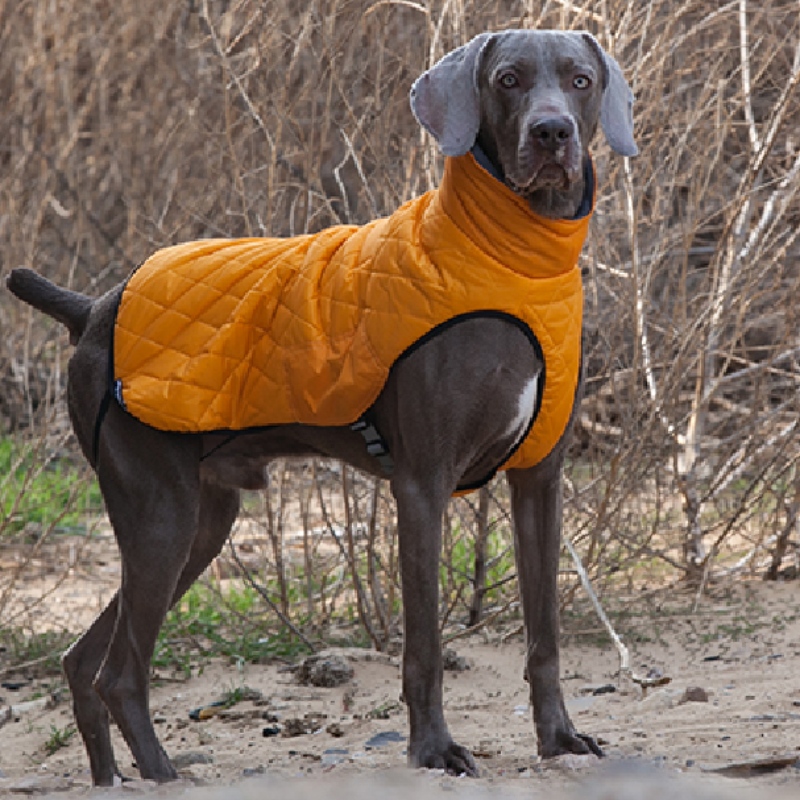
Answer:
(419, 522)
(537, 508)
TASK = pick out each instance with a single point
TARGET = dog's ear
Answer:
(444, 99)
(616, 111)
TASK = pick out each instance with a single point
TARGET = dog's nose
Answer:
(552, 132)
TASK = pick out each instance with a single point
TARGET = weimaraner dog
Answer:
(528, 102)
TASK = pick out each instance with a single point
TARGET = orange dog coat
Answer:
(233, 334)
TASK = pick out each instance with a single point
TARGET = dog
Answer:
(514, 113)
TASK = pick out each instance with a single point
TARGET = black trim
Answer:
(537, 349)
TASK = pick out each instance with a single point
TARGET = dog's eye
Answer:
(581, 82)
(508, 80)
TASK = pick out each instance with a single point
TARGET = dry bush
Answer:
(132, 125)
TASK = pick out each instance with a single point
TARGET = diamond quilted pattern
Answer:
(233, 334)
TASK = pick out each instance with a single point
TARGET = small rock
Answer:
(335, 730)
(253, 772)
(694, 694)
(453, 662)
(295, 726)
(383, 738)
(334, 756)
(324, 670)
(14, 686)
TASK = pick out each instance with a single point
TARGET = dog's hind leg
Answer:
(151, 485)
(81, 663)
(218, 509)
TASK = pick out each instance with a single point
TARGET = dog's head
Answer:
(532, 100)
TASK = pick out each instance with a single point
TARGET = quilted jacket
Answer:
(233, 334)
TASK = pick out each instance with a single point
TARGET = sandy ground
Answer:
(738, 725)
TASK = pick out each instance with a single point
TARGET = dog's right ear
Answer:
(444, 99)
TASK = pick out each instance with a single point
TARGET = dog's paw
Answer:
(570, 743)
(450, 757)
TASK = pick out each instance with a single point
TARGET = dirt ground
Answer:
(730, 714)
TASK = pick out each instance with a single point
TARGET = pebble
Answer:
(384, 738)
(324, 671)
(334, 756)
(694, 694)
(453, 662)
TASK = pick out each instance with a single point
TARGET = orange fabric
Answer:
(230, 334)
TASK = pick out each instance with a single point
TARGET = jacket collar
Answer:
(501, 224)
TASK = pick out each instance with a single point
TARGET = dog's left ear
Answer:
(444, 99)
(616, 111)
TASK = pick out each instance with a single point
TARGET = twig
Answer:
(744, 57)
(223, 56)
(263, 592)
(482, 624)
(624, 654)
(16, 668)
(359, 589)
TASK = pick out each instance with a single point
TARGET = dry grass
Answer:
(131, 125)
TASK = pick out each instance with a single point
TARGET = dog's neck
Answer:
(552, 203)
(471, 202)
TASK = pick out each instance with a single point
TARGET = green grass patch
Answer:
(41, 652)
(42, 491)
(499, 562)
(208, 624)
(59, 737)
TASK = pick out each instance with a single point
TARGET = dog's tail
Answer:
(70, 308)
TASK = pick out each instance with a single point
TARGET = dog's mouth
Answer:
(548, 176)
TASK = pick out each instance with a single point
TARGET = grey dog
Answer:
(529, 103)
